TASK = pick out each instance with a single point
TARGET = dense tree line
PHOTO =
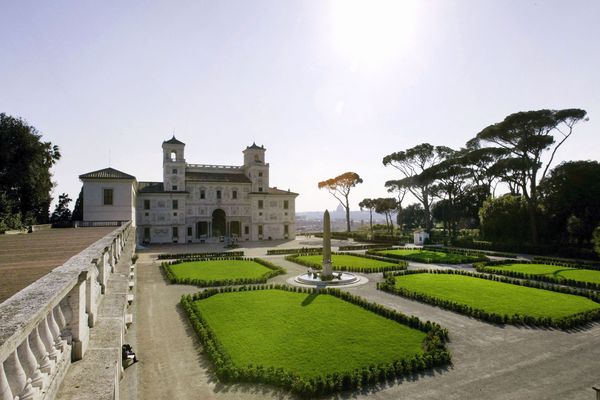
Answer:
(456, 188)
(25, 177)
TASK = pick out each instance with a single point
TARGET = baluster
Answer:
(17, 379)
(55, 331)
(39, 351)
(30, 364)
(48, 341)
(66, 316)
(5, 392)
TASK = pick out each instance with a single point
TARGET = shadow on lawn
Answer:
(309, 299)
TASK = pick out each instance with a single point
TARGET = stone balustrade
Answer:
(46, 326)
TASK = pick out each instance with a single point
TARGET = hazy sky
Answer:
(325, 86)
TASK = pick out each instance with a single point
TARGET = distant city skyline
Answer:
(326, 86)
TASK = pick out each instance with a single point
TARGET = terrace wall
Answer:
(47, 326)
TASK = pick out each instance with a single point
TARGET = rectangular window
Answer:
(260, 204)
(260, 174)
(190, 230)
(286, 229)
(234, 194)
(147, 234)
(107, 197)
(218, 194)
(175, 204)
(146, 204)
(246, 230)
(260, 189)
(202, 194)
(286, 204)
(174, 170)
(175, 232)
(175, 188)
(260, 229)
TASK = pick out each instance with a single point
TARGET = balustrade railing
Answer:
(47, 325)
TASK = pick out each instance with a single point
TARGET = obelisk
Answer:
(326, 271)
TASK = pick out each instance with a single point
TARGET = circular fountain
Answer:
(339, 279)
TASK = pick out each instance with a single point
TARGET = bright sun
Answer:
(373, 31)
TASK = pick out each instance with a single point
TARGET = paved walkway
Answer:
(490, 362)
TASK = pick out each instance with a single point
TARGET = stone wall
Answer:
(46, 326)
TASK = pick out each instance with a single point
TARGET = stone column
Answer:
(79, 321)
(326, 272)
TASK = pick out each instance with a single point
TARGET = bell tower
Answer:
(257, 170)
(173, 165)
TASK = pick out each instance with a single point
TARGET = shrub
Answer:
(181, 256)
(400, 265)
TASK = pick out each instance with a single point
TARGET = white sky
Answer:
(326, 87)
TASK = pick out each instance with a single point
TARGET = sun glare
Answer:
(373, 31)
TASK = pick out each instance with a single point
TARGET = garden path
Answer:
(490, 362)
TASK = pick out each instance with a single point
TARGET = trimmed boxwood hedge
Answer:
(180, 256)
(567, 262)
(275, 270)
(400, 265)
(377, 252)
(565, 323)
(303, 250)
(469, 252)
(362, 247)
(483, 267)
(435, 352)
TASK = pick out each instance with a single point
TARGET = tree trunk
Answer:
(371, 219)
(531, 210)
(347, 215)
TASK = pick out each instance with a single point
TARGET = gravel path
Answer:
(490, 362)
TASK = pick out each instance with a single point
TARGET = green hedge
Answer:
(435, 352)
(400, 265)
(523, 248)
(303, 250)
(565, 323)
(478, 257)
(585, 264)
(275, 270)
(469, 252)
(362, 247)
(179, 256)
(481, 267)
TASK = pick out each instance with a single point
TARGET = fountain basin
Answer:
(346, 279)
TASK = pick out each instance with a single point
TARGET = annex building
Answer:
(194, 203)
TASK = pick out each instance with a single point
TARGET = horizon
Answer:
(324, 86)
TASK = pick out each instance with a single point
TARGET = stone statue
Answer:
(326, 271)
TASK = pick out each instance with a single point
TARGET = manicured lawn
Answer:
(428, 256)
(305, 334)
(552, 271)
(354, 263)
(496, 297)
(219, 270)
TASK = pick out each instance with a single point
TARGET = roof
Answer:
(275, 191)
(226, 177)
(107, 173)
(151, 187)
(255, 147)
(173, 141)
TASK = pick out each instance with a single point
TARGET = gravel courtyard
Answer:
(489, 362)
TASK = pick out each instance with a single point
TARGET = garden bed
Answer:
(497, 299)
(311, 342)
(429, 256)
(220, 271)
(560, 273)
(349, 262)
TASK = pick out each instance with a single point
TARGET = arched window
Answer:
(173, 155)
(256, 158)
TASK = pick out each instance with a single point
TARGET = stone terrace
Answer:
(26, 258)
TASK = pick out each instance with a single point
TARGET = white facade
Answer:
(194, 202)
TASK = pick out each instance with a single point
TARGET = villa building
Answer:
(194, 203)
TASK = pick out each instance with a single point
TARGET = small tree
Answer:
(368, 204)
(596, 239)
(340, 187)
(61, 211)
(78, 208)
(387, 206)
